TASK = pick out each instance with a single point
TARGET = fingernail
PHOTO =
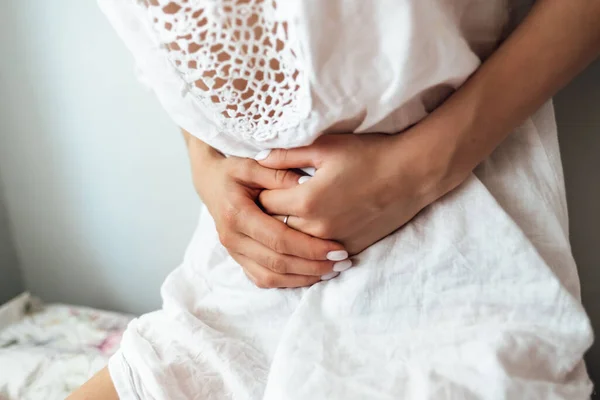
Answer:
(341, 266)
(329, 276)
(338, 255)
(309, 170)
(262, 155)
(303, 179)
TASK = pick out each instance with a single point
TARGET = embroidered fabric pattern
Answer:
(235, 57)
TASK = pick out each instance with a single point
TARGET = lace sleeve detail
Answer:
(236, 58)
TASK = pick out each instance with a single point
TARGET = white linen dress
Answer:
(476, 298)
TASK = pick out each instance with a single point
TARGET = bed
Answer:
(48, 350)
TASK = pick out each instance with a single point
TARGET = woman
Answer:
(462, 284)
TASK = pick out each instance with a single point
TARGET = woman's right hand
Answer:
(272, 254)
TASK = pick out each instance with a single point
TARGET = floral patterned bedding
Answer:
(47, 351)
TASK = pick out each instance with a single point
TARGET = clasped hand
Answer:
(365, 187)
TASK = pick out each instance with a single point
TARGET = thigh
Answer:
(100, 387)
(456, 304)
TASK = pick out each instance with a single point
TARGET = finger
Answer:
(293, 222)
(296, 223)
(300, 157)
(283, 201)
(310, 227)
(265, 278)
(252, 174)
(285, 240)
(282, 263)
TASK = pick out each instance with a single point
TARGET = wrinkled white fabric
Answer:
(477, 297)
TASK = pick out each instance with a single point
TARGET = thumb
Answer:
(297, 158)
(261, 177)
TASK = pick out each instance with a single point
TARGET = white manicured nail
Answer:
(309, 170)
(341, 266)
(338, 255)
(303, 179)
(329, 276)
(262, 155)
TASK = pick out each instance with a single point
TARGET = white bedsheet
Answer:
(50, 350)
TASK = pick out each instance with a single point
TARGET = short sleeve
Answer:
(232, 61)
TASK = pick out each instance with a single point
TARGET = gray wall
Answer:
(578, 116)
(95, 174)
(11, 283)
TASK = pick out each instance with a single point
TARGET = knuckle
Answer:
(230, 215)
(225, 239)
(280, 155)
(306, 206)
(277, 244)
(321, 268)
(320, 153)
(239, 168)
(282, 176)
(257, 282)
(323, 230)
(314, 254)
(267, 281)
(309, 281)
(245, 169)
(247, 164)
(277, 264)
(310, 248)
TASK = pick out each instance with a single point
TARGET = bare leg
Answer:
(99, 387)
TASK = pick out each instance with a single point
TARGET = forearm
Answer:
(554, 43)
(202, 158)
(100, 386)
(200, 152)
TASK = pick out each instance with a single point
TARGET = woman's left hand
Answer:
(365, 186)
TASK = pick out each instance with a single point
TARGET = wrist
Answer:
(201, 154)
(439, 155)
(203, 160)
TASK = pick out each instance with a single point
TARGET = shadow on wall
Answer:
(11, 283)
(578, 117)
